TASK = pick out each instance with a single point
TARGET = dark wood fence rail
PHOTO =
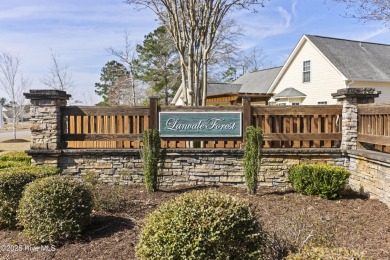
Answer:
(299, 126)
(374, 126)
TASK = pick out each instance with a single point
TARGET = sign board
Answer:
(200, 124)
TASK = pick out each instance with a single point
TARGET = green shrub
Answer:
(151, 155)
(16, 157)
(38, 171)
(9, 164)
(11, 188)
(54, 209)
(106, 197)
(252, 152)
(201, 225)
(318, 179)
(324, 253)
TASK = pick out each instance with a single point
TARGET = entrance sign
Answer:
(200, 124)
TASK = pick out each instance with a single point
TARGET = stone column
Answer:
(46, 124)
(350, 98)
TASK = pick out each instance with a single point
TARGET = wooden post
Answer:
(153, 113)
(246, 116)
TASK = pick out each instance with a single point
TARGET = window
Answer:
(306, 71)
(322, 102)
(295, 103)
(281, 104)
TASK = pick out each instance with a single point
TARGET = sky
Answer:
(80, 31)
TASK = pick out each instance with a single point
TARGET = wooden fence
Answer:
(374, 127)
(123, 126)
(299, 126)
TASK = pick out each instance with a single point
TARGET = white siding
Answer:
(324, 78)
(384, 97)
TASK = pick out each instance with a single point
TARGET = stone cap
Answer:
(356, 93)
(47, 94)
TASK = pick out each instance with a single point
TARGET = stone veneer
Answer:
(370, 174)
(188, 166)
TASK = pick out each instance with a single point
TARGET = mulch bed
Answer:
(355, 221)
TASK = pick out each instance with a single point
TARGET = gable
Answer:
(356, 59)
(325, 78)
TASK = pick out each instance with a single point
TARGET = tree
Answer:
(158, 63)
(13, 84)
(193, 26)
(113, 83)
(127, 58)
(369, 10)
(3, 101)
(58, 76)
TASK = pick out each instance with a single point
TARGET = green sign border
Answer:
(199, 121)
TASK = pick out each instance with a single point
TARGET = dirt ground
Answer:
(352, 221)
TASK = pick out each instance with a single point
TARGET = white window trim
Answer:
(306, 71)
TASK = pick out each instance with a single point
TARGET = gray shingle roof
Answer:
(289, 92)
(221, 88)
(257, 82)
(355, 59)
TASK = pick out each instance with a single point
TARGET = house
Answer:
(319, 66)
(254, 85)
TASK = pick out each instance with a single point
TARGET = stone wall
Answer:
(189, 166)
(370, 174)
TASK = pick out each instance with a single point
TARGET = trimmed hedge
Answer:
(12, 182)
(16, 157)
(54, 209)
(201, 225)
(38, 171)
(11, 188)
(327, 181)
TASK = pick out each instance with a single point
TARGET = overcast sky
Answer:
(80, 31)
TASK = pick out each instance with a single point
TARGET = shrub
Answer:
(252, 152)
(314, 253)
(16, 157)
(201, 225)
(151, 155)
(38, 171)
(105, 197)
(54, 209)
(9, 164)
(11, 188)
(318, 179)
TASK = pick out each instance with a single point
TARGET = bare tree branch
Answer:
(58, 76)
(13, 84)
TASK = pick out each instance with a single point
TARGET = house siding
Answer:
(384, 87)
(324, 78)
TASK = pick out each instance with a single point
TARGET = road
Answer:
(18, 134)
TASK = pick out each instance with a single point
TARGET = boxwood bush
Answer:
(325, 253)
(201, 225)
(327, 181)
(54, 209)
(38, 171)
(11, 187)
(16, 156)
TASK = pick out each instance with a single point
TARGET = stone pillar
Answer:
(350, 98)
(46, 124)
